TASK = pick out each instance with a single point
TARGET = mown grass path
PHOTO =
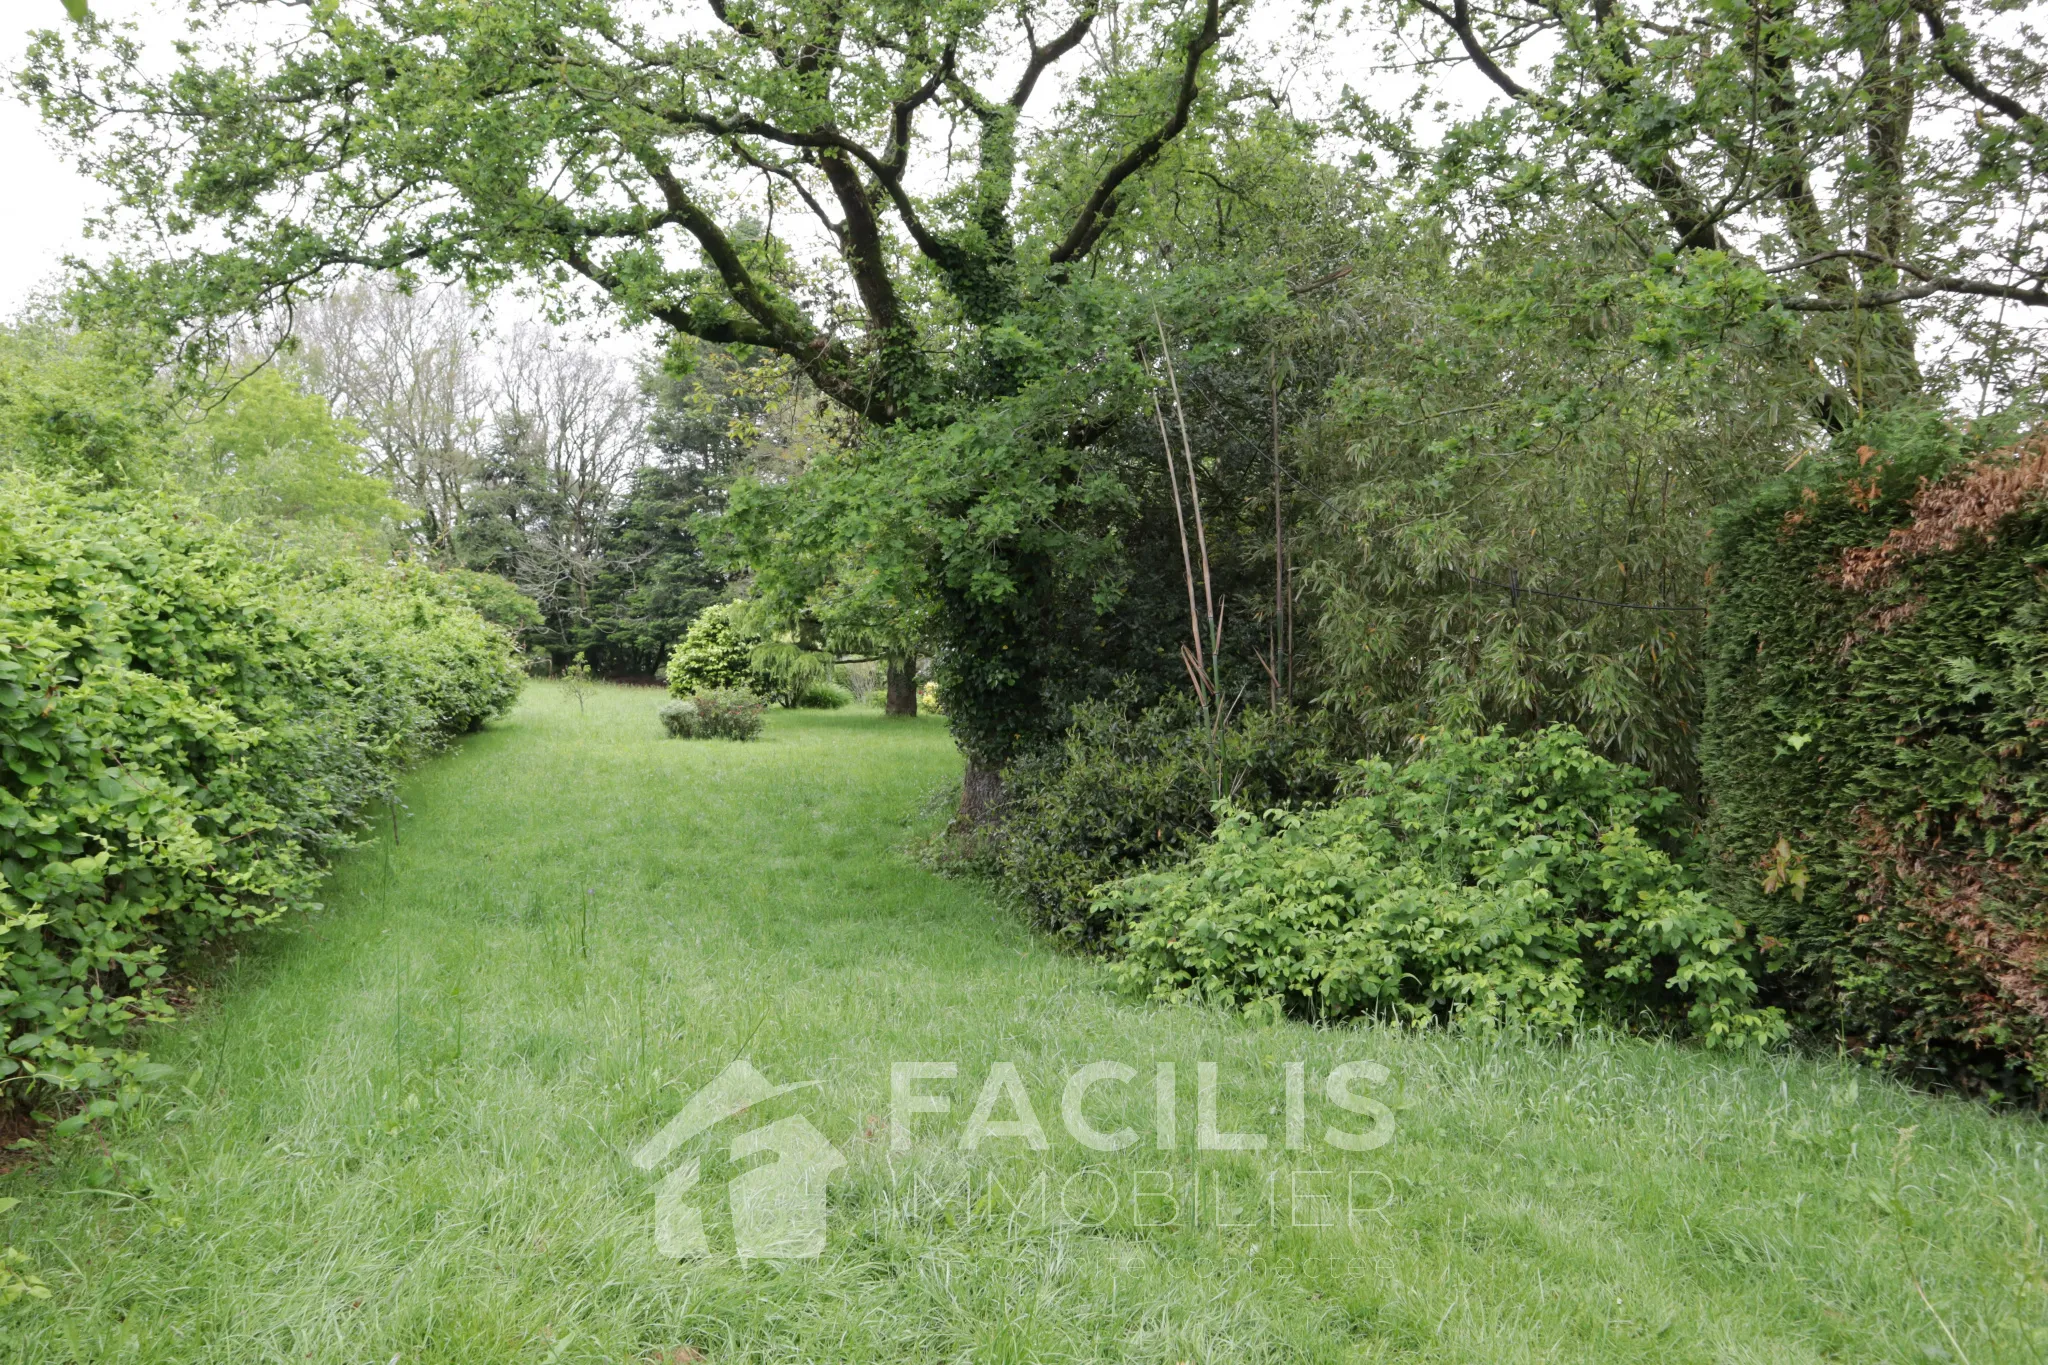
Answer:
(401, 1129)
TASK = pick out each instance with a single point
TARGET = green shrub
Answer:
(788, 674)
(823, 696)
(1877, 722)
(185, 735)
(498, 600)
(715, 652)
(80, 404)
(1489, 878)
(719, 713)
(1128, 789)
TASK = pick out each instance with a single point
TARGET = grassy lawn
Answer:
(402, 1130)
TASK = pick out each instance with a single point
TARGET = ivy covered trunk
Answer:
(902, 688)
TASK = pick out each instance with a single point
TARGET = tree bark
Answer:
(981, 795)
(902, 694)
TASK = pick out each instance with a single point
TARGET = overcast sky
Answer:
(49, 202)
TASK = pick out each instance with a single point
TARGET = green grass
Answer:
(401, 1129)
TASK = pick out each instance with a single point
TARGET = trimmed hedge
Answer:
(185, 735)
(1877, 705)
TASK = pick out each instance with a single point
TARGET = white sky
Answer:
(50, 200)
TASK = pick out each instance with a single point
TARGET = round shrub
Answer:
(714, 653)
(823, 696)
(1490, 878)
(719, 713)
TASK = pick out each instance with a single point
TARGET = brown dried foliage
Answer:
(1966, 903)
(1970, 503)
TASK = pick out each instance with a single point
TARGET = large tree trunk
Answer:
(902, 696)
(981, 795)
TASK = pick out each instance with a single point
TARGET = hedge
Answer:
(1877, 705)
(186, 733)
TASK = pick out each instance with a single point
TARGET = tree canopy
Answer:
(567, 138)
(1833, 161)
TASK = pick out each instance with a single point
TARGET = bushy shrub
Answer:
(82, 404)
(498, 600)
(1877, 747)
(823, 696)
(715, 652)
(185, 734)
(1134, 788)
(719, 713)
(1489, 878)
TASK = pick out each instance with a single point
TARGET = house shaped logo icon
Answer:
(778, 1209)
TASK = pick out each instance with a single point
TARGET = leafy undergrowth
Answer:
(1519, 878)
(402, 1130)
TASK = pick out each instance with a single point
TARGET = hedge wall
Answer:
(185, 734)
(1877, 709)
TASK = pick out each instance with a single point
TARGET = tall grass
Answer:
(403, 1127)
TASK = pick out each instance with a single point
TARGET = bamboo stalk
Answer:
(1180, 520)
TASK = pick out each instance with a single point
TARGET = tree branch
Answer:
(820, 140)
(1791, 183)
(789, 331)
(865, 251)
(897, 154)
(1043, 57)
(789, 177)
(1461, 25)
(2035, 296)
(1853, 254)
(1689, 218)
(1101, 205)
(2033, 125)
